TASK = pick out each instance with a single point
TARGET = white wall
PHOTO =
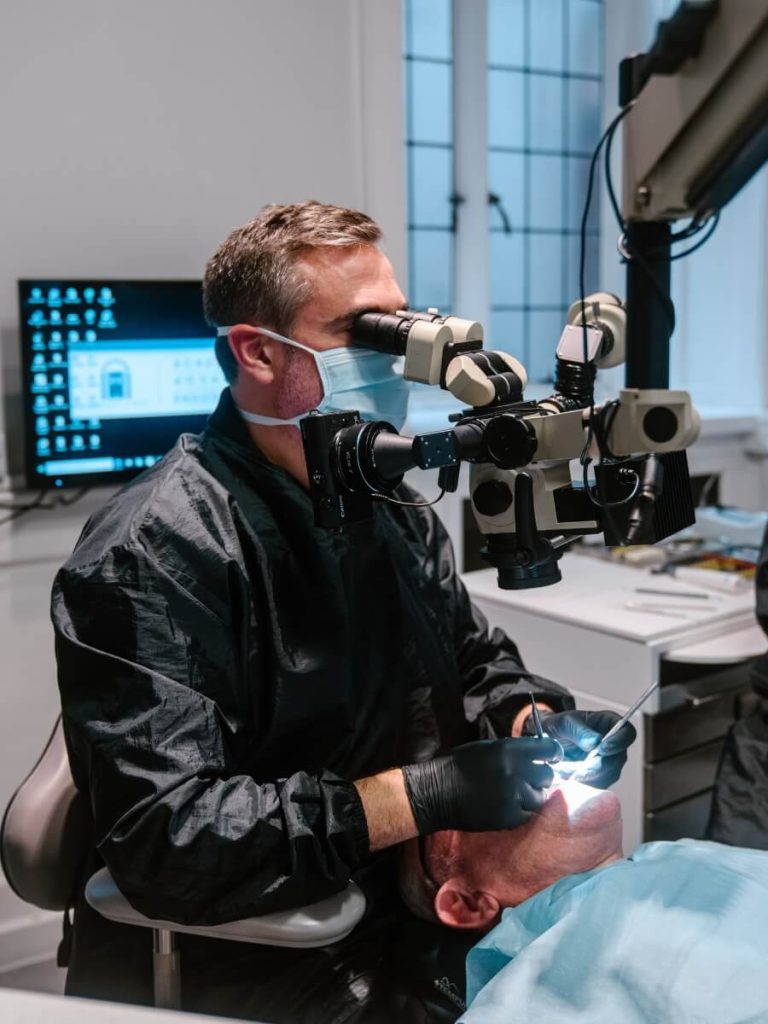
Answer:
(719, 346)
(135, 134)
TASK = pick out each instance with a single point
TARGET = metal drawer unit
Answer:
(683, 743)
(588, 634)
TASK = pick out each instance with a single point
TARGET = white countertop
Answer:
(737, 645)
(37, 1008)
(603, 596)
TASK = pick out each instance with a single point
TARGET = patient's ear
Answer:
(457, 906)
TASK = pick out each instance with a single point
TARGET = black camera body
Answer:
(334, 505)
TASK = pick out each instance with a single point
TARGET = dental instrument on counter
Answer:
(708, 579)
(675, 611)
(674, 593)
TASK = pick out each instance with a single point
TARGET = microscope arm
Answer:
(695, 136)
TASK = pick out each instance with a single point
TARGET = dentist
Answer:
(257, 710)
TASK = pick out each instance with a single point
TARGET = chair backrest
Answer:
(45, 834)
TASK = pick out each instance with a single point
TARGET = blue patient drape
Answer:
(676, 934)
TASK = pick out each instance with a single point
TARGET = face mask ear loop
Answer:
(223, 332)
(322, 372)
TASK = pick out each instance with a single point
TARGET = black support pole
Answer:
(649, 306)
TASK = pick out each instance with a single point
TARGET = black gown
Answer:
(226, 671)
(740, 804)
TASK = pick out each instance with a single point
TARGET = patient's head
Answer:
(465, 879)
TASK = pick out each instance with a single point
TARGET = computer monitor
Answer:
(113, 372)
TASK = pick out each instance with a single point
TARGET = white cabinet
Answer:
(588, 634)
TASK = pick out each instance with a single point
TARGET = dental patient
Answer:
(465, 879)
(674, 934)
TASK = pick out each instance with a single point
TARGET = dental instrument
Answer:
(595, 752)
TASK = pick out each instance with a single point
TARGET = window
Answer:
(428, 64)
(543, 83)
(544, 120)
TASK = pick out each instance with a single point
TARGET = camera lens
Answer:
(355, 462)
(384, 332)
(510, 441)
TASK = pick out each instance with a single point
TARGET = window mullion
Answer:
(470, 121)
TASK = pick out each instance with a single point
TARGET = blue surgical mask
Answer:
(352, 378)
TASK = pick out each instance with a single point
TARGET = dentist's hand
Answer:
(581, 731)
(483, 786)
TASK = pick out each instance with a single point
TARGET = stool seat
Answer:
(45, 838)
(318, 924)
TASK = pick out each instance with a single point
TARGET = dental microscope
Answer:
(694, 117)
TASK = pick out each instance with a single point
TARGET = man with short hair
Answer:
(567, 930)
(465, 880)
(258, 710)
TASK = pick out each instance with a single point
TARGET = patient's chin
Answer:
(574, 807)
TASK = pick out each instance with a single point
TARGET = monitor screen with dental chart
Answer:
(113, 372)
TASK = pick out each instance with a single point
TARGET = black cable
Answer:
(606, 137)
(713, 222)
(609, 182)
(599, 427)
(694, 228)
(409, 504)
(628, 256)
(38, 502)
(592, 492)
(690, 231)
(600, 432)
(585, 217)
(19, 510)
(13, 515)
(75, 497)
(602, 424)
(707, 226)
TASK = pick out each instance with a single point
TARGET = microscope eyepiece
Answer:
(384, 332)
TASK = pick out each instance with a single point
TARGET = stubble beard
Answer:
(300, 388)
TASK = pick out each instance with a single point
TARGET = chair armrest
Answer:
(318, 924)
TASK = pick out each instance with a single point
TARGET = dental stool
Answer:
(44, 843)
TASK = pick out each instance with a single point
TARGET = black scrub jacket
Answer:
(739, 815)
(226, 671)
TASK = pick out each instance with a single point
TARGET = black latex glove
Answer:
(481, 786)
(581, 731)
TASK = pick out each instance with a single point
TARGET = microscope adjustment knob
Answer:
(492, 497)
